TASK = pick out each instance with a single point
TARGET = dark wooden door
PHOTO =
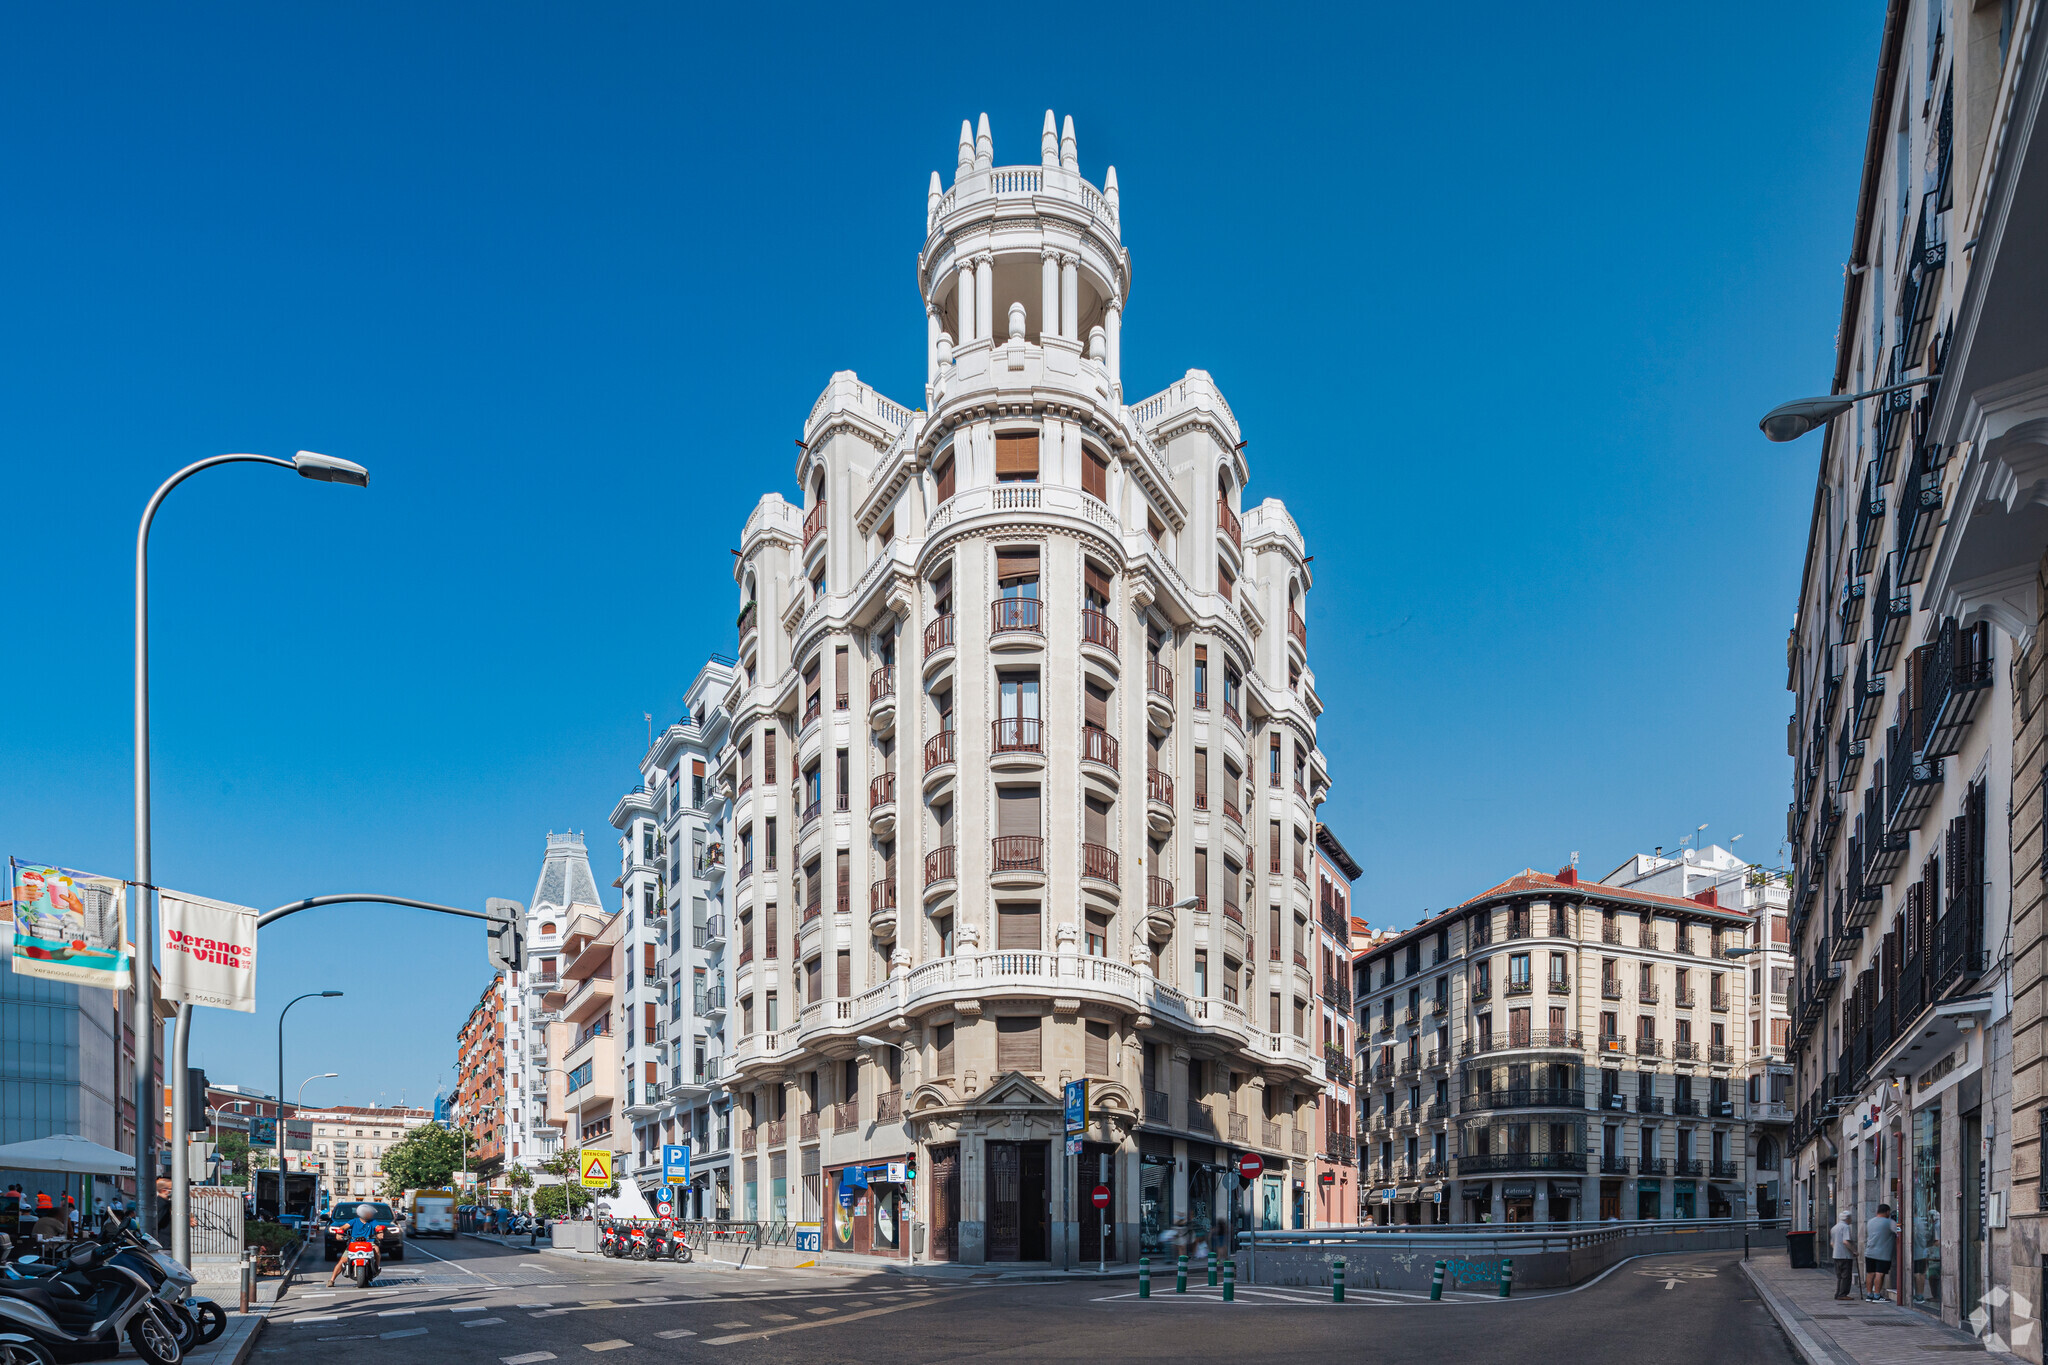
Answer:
(1005, 1210)
(945, 1203)
(1034, 1203)
(1092, 1219)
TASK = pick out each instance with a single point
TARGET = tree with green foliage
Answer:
(233, 1149)
(426, 1158)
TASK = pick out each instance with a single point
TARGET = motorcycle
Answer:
(608, 1240)
(143, 1253)
(636, 1247)
(361, 1259)
(81, 1308)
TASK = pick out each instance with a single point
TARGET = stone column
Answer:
(1049, 296)
(1070, 295)
(973, 1238)
(984, 297)
(1113, 325)
(1500, 1203)
(931, 343)
(964, 274)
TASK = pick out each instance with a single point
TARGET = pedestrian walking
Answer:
(1842, 1246)
(1880, 1245)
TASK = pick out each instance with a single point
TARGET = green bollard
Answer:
(1507, 1276)
(1180, 1276)
(1337, 1280)
(1144, 1277)
(1436, 1283)
(1230, 1281)
(1212, 1267)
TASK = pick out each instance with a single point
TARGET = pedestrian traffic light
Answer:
(508, 933)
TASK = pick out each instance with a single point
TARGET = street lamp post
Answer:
(148, 1099)
(309, 995)
(1790, 421)
(297, 1104)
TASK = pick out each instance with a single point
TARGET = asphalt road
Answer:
(474, 1303)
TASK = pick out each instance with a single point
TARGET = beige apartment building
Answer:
(1024, 778)
(1556, 1050)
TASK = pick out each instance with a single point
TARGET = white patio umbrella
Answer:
(67, 1153)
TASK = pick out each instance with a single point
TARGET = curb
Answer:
(1789, 1321)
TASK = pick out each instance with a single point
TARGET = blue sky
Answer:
(1498, 300)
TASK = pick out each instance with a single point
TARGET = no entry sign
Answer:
(1101, 1196)
(1249, 1165)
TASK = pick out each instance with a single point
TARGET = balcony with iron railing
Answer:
(1017, 853)
(940, 749)
(1016, 614)
(1482, 1163)
(1227, 523)
(1297, 628)
(1097, 630)
(882, 791)
(1158, 786)
(1099, 862)
(814, 525)
(940, 865)
(1158, 893)
(881, 683)
(1098, 746)
(1017, 735)
(1159, 679)
(881, 896)
(939, 635)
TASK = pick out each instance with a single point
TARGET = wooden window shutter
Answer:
(1016, 454)
(768, 931)
(1202, 873)
(1017, 1044)
(652, 1074)
(845, 974)
(1016, 810)
(1097, 581)
(648, 959)
(1201, 774)
(1273, 846)
(839, 674)
(768, 753)
(942, 476)
(1224, 582)
(1095, 473)
(649, 1018)
(1017, 927)
(845, 879)
(1097, 1060)
(1095, 706)
(943, 1046)
(1095, 821)
(1016, 561)
(814, 888)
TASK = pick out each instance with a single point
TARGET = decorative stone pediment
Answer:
(1015, 1090)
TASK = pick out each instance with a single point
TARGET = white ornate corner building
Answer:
(1024, 777)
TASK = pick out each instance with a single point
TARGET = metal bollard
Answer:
(1180, 1278)
(1337, 1280)
(1212, 1267)
(1230, 1281)
(1436, 1283)
(1507, 1276)
(1144, 1277)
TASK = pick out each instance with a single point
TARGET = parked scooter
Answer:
(608, 1240)
(141, 1252)
(636, 1245)
(80, 1310)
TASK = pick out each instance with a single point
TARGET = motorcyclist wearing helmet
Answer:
(360, 1228)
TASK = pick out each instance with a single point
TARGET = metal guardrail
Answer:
(1491, 1239)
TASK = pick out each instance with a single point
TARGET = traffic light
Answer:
(508, 933)
(196, 1120)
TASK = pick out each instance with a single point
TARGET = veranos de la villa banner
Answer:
(209, 952)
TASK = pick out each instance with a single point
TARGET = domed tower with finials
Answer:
(1015, 660)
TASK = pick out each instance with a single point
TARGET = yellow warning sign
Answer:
(596, 1165)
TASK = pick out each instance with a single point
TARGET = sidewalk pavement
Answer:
(1828, 1331)
(233, 1345)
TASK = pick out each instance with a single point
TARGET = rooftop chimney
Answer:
(1568, 875)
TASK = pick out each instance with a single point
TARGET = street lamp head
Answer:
(870, 1040)
(1187, 904)
(328, 469)
(1790, 421)
(328, 995)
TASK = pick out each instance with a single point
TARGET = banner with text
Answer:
(209, 952)
(69, 926)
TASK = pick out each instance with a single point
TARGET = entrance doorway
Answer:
(946, 1202)
(1017, 1207)
(1971, 1159)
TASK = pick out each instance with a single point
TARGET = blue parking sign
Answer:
(675, 1164)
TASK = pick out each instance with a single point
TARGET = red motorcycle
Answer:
(362, 1261)
(609, 1240)
(637, 1246)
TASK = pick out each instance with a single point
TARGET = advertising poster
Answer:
(69, 926)
(208, 952)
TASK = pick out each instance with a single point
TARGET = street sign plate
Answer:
(1101, 1196)
(595, 1166)
(675, 1163)
(1249, 1165)
(1328, 1178)
(1077, 1106)
(664, 1210)
(1073, 1146)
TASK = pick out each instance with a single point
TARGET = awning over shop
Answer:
(1521, 1189)
(1563, 1189)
